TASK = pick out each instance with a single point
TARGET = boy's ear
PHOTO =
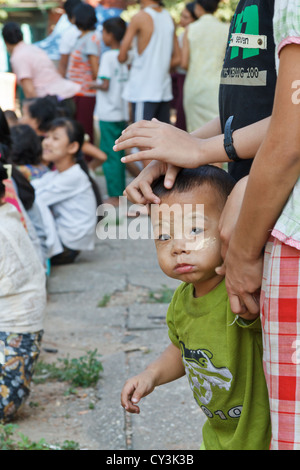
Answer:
(73, 147)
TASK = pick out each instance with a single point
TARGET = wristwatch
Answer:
(228, 141)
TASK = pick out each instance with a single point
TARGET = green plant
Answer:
(81, 372)
(104, 301)
(8, 441)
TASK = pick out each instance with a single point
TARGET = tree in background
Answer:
(224, 12)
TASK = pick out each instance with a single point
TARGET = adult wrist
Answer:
(228, 141)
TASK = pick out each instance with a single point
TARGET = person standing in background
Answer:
(83, 65)
(149, 87)
(35, 71)
(204, 46)
(187, 16)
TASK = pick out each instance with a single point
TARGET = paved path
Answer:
(128, 332)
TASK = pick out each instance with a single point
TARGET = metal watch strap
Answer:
(228, 142)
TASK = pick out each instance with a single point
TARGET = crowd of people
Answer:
(233, 321)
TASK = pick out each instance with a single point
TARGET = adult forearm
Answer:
(276, 167)
(247, 141)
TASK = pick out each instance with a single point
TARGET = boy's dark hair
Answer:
(85, 17)
(188, 179)
(69, 6)
(117, 26)
(209, 5)
(12, 33)
(26, 147)
(191, 8)
(44, 110)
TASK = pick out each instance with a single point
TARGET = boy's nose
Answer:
(180, 245)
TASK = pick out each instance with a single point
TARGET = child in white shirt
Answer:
(111, 110)
(65, 196)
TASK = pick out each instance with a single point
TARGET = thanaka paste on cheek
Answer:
(203, 244)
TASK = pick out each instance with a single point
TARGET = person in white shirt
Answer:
(65, 196)
(149, 87)
(111, 109)
(68, 37)
(22, 308)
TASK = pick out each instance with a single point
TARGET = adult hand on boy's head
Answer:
(159, 141)
(139, 190)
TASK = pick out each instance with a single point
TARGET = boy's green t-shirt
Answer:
(222, 356)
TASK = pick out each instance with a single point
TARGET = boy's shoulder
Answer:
(184, 289)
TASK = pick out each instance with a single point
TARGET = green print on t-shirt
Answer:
(250, 18)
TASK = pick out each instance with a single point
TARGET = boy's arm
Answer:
(28, 88)
(185, 52)
(94, 62)
(63, 64)
(104, 85)
(176, 54)
(165, 369)
(131, 31)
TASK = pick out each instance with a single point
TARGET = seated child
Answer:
(221, 354)
(26, 151)
(22, 307)
(65, 196)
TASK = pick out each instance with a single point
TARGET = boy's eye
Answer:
(196, 231)
(164, 237)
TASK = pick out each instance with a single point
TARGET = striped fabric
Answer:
(280, 310)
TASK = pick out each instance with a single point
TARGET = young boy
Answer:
(111, 110)
(221, 354)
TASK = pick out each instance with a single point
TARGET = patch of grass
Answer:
(163, 295)
(81, 372)
(104, 301)
(8, 441)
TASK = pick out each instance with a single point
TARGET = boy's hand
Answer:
(136, 388)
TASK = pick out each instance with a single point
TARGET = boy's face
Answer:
(187, 238)
(106, 37)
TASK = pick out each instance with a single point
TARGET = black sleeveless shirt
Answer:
(248, 77)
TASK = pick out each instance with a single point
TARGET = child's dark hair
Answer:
(117, 26)
(12, 33)
(85, 17)
(44, 110)
(5, 138)
(191, 9)
(26, 147)
(3, 176)
(188, 179)
(69, 6)
(210, 6)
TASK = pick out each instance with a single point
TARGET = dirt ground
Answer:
(55, 411)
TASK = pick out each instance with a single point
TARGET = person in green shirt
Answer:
(219, 352)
